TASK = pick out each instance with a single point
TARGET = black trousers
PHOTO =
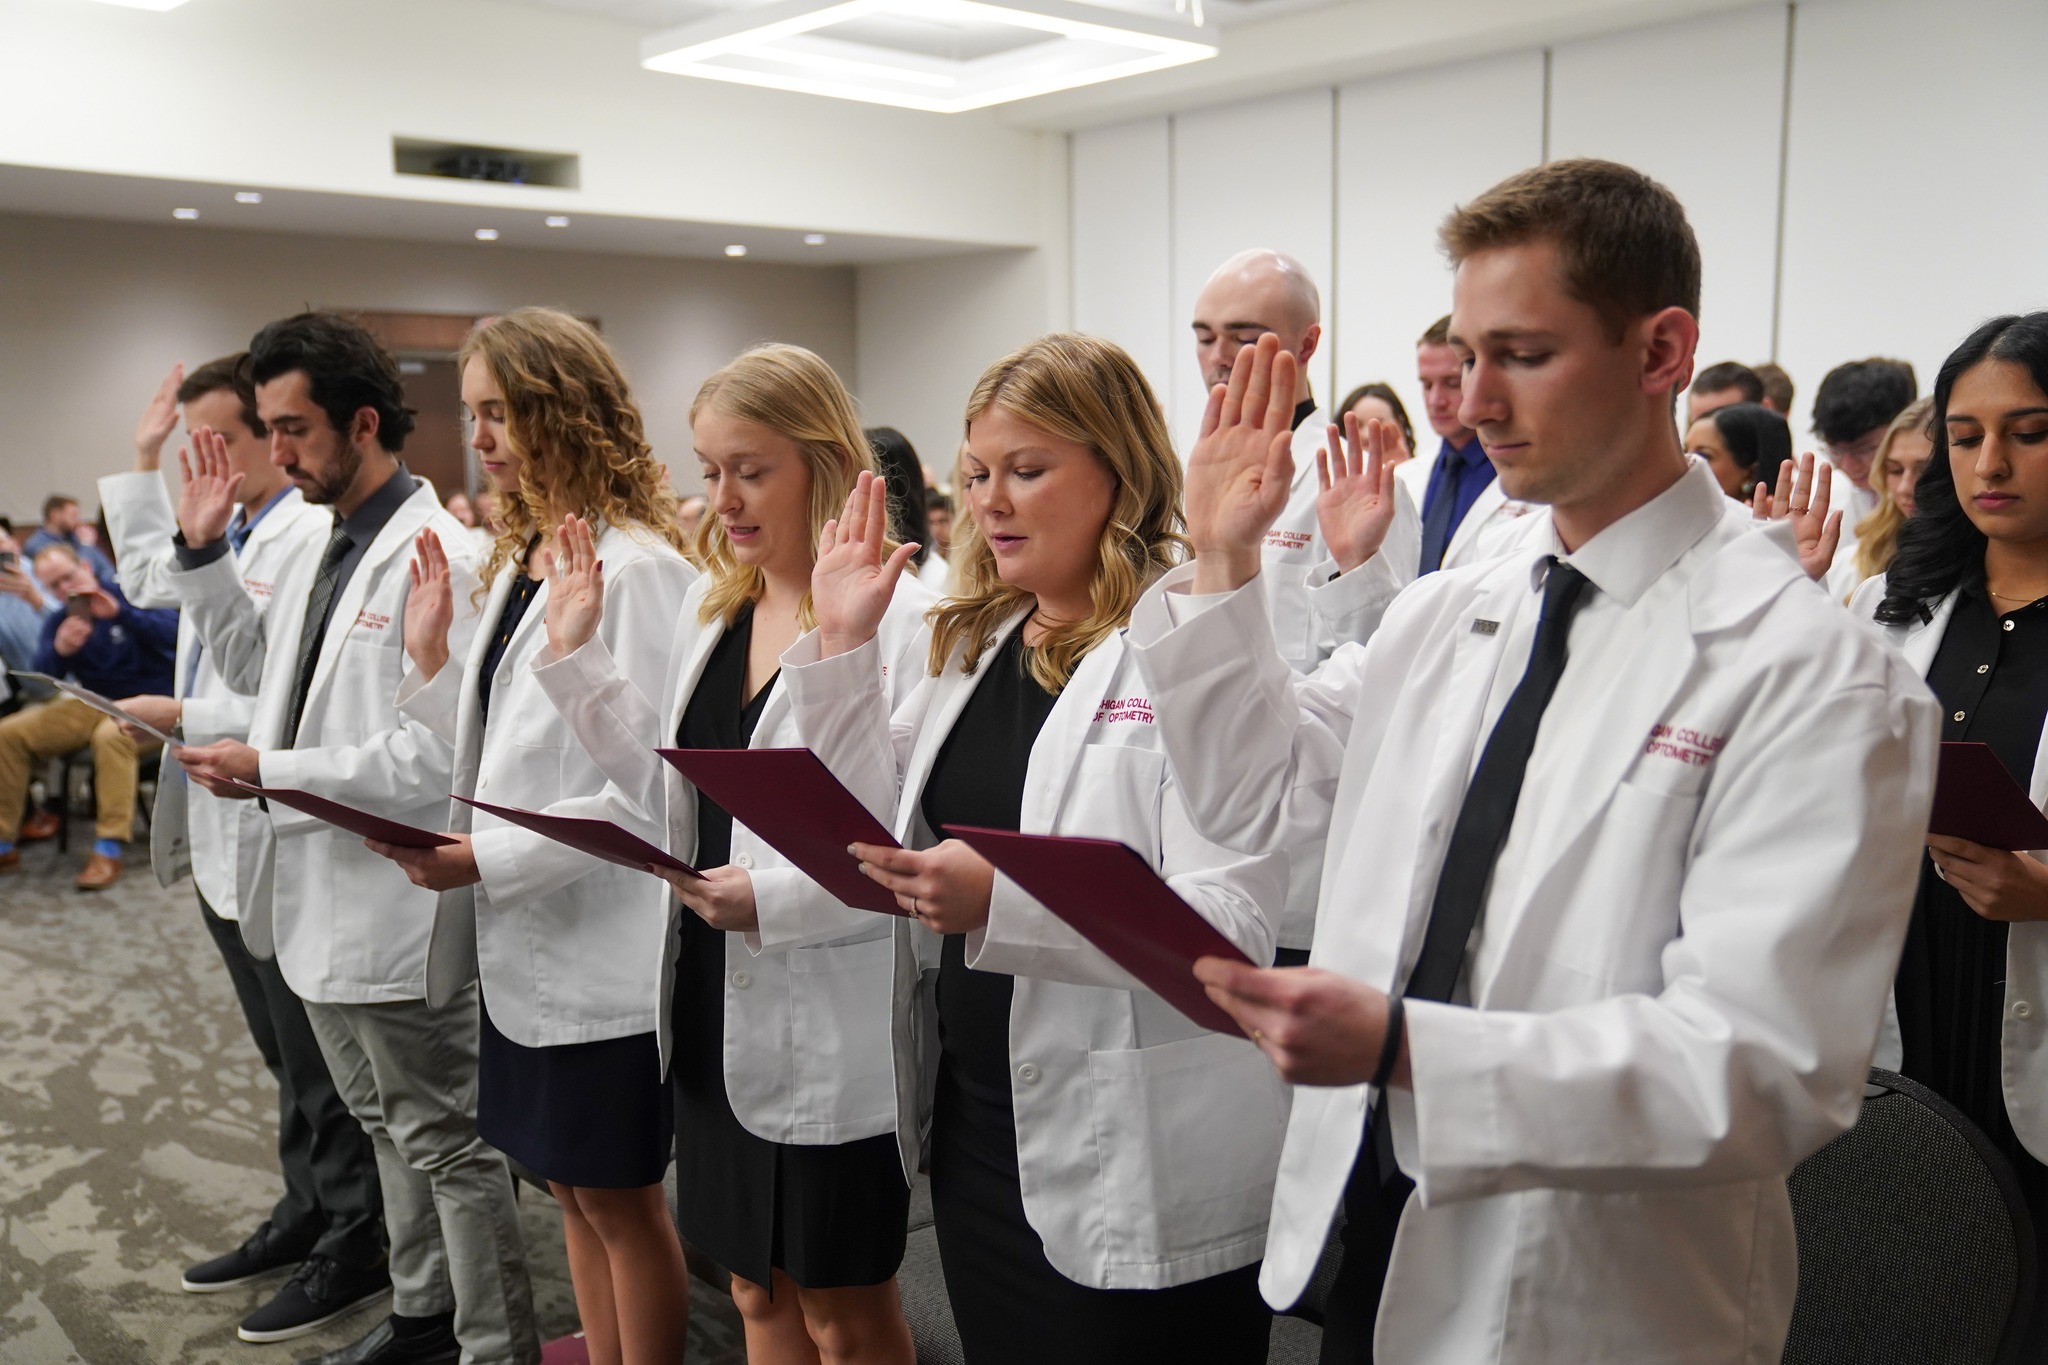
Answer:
(332, 1204)
(1372, 1211)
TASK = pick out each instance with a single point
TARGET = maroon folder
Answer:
(1976, 798)
(1113, 898)
(790, 798)
(598, 838)
(345, 817)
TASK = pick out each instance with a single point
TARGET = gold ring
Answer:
(1799, 511)
(1258, 1037)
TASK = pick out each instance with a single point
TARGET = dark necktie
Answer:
(1438, 518)
(1486, 814)
(319, 604)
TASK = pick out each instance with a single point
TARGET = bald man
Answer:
(1252, 293)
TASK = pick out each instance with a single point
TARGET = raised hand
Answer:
(429, 605)
(851, 583)
(206, 504)
(159, 420)
(1241, 466)
(1356, 504)
(1802, 496)
(575, 588)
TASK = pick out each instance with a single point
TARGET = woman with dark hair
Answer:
(1966, 599)
(1743, 443)
(904, 474)
(1379, 400)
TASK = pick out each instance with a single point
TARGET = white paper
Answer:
(103, 706)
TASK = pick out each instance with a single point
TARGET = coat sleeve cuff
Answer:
(433, 702)
(792, 911)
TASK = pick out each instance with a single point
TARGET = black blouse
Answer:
(523, 591)
(978, 779)
(721, 716)
(1991, 677)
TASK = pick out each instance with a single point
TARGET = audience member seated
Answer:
(1902, 457)
(1722, 386)
(1743, 443)
(23, 605)
(61, 526)
(115, 649)
(1777, 387)
(1851, 409)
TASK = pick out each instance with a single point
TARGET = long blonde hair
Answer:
(795, 394)
(1877, 535)
(570, 416)
(1088, 391)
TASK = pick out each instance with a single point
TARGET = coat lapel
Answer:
(954, 688)
(1490, 500)
(393, 539)
(1056, 753)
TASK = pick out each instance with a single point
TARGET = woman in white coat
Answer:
(777, 1014)
(1966, 599)
(1100, 1165)
(569, 1076)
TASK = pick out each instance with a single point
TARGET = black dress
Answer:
(536, 1104)
(829, 1217)
(1009, 1303)
(1991, 677)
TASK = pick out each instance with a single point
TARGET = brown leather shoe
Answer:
(41, 824)
(10, 860)
(99, 873)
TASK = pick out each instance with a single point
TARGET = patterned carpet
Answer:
(136, 1137)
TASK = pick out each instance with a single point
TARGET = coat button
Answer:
(1028, 1073)
(741, 980)
(743, 860)
(1959, 715)
(2008, 625)
(2022, 1010)
(1983, 668)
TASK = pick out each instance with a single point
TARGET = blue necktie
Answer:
(1439, 519)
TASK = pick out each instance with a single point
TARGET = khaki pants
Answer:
(60, 727)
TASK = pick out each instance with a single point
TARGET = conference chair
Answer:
(1915, 1245)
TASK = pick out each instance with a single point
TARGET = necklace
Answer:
(2004, 597)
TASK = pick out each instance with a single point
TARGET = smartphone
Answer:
(79, 604)
(7, 559)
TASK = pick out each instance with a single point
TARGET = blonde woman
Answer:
(778, 1015)
(568, 1075)
(1902, 455)
(1101, 1167)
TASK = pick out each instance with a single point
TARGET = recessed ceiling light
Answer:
(145, 4)
(557, 220)
(837, 48)
(487, 234)
(184, 215)
(248, 197)
(814, 239)
(735, 250)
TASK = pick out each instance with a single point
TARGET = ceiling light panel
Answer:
(944, 56)
(145, 4)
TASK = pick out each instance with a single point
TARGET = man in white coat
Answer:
(1253, 294)
(1569, 943)
(330, 1210)
(1465, 514)
(348, 929)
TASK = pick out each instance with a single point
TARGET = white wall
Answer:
(93, 314)
(1914, 204)
(1909, 208)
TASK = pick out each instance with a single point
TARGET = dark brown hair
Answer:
(229, 373)
(1439, 333)
(1623, 241)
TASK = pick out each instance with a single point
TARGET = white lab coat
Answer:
(191, 829)
(346, 926)
(807, 996)
(2024, 1032)
(1145, 1144)
(1600, 1140)
(566, 946)
(935, 574)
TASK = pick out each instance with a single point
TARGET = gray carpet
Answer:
(136, 1137)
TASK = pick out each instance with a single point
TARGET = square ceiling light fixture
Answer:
(943, 56)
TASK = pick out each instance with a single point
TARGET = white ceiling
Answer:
(141, 199)
(656, 15)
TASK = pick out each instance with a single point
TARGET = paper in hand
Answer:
(1976, 798)
(103, 706)
(598, 838)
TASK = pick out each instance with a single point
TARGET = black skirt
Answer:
(594, 1115)
(829, 1217)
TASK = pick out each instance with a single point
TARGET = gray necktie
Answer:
(319, 604)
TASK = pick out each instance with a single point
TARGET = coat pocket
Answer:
(840, 1032)
(1188, 1134)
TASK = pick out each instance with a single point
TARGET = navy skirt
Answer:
(596, 1115)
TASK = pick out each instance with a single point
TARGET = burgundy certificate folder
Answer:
(790, 798)
(598, 838)
(346, 817)
(1114, 899)
(1975, 798)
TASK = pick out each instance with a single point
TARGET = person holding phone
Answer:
(568, 1076)
(1100, 1164)
(775, 999)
